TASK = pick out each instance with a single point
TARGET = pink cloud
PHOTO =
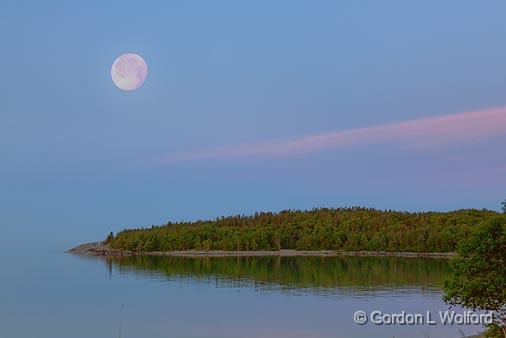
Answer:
(417, 133)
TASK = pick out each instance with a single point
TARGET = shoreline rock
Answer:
(102, 249)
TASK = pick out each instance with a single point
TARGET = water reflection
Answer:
(356, 276)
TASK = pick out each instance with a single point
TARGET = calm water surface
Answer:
(48, 294)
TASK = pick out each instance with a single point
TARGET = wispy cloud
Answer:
(418, 133)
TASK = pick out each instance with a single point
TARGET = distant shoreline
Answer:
(101, 249)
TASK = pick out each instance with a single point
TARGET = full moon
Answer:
(129, 71)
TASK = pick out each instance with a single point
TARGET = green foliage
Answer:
(494, 331)
(479, 278)
(344, 229)
(503, 206)
(109, 238)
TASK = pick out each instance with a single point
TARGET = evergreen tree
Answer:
(109, 238)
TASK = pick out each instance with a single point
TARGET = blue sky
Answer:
(79, 157)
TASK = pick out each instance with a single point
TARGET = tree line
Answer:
(347, 229)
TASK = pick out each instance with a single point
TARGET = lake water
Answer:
(56, 295)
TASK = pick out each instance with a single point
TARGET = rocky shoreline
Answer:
(102, 249)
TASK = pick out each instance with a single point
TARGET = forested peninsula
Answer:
(324, 229)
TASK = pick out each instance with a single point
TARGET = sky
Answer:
(248, 106)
